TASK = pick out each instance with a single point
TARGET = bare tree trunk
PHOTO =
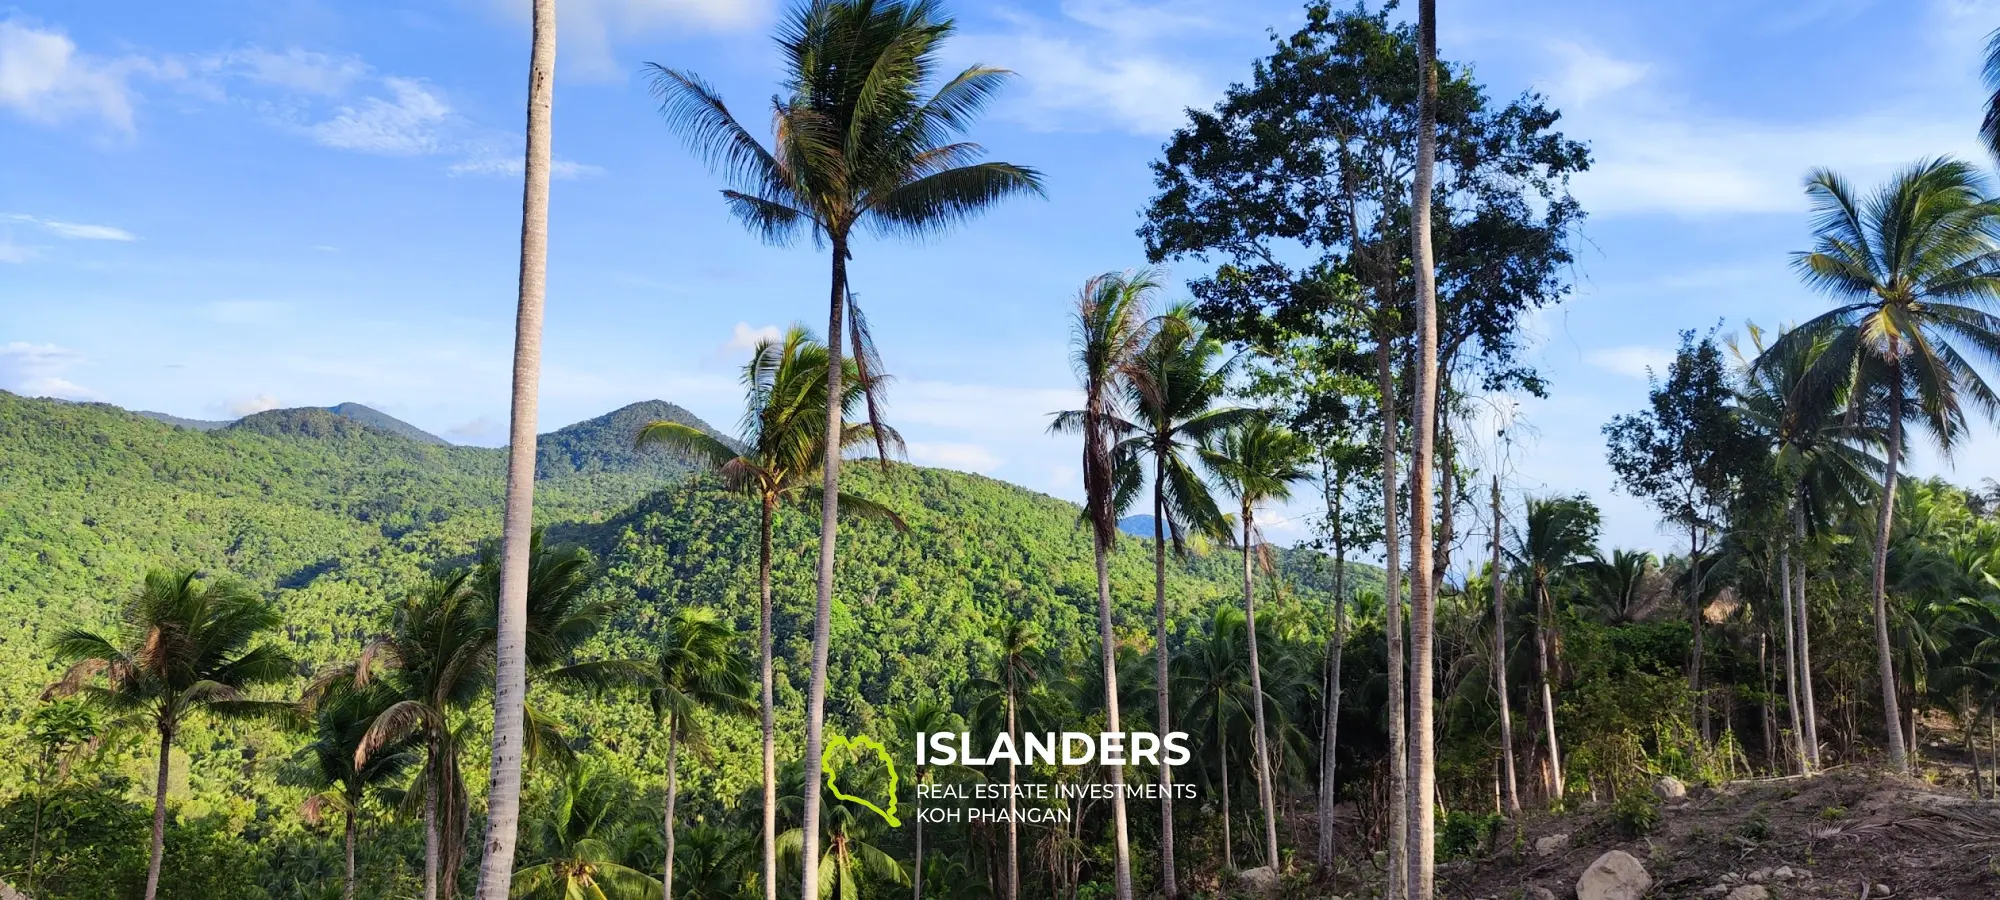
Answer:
(1544, 616)
(510, 682)
(433, 840)
(673, 795)
(1423, 419)
(160, 812)
(1169, 885)
(1013, 824)
(1330, 744)
(1701, 711)
(770, 710)
(829, 521)
(1791, 646)
(917, 876)
(1500, 665)
(1222, 752)
(1811, 713)
(1122, 866)
(347, 883)
(1392, 605)
(1765, 718)
(1898, 756)
(1263, 761)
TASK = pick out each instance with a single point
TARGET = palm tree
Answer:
(1016, 662)
(341, 717)
(1258, 461)
(1618, 584)
(857, 142)
(1423, 422)
(782, 445)
(1500, 653)
(580, 840)
(510, 683)
(436, 660)
(847, 857)
(183, 648)
(562, 617)
(699, 668)
(1557, 535)
(1175, 408)
(1915, 269)
(922, 717)
(1213, 675)
(1105, 343)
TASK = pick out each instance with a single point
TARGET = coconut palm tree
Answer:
(1557, 535)
(1175, 407)
(1212, 675)
(780, 449)
(1107, 335)
(857, 142)
(436, 660)
(1423, 425)
(580, 841)
(183, 648)
(510, 683)
(341, 717)
(699, 668)
(1618, 583)
(1015, 663)
(848, 857)
(923, 717)
(1915, 271)
(1258, 461)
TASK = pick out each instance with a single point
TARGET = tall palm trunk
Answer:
(823, 610)
(1811, 712)
(1222, 755)
(1544, 614)
(160, 812)
(917, 876)
(1423, 417)
(1790, 649)
(1122, 866)
(433, 839)
(347, 884)
(1263, 762)
(1331, 744)
(764, 612)
(1169, 886)
(1392, 614)
(1013, 785)
(1701, 712)
(1513, 788)
(1898, 756)
(510, 683)
(673, 796)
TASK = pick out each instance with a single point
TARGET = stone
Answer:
(7, 892)
(1614, 876)
(1784, 873)
(1670, 788)
(1716, 890)
(1751, 892)
(1881, 890)
(1551, 844)
(1760, 876)
(1537, 892)
(1260, 880)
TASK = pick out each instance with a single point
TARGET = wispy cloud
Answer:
(406, 122)
(479, 430)
(513, 166)
(1632, 361)
(36, 370)
(73, 230)
(964, 457)
(591, 28)
(743, 338)
(323, 74)
(251, 405)
(44, 78)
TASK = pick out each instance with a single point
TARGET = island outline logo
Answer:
(845, 747)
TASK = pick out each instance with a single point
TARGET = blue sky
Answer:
(210, 209)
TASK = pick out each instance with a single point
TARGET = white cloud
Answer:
(1589, 73)
(44, 78)
(296, 69)
(1632, 361)
(513, 166)
(253, 404)
(743, 338)
(1076, 84)
(410, 121)
(591, 27)
(73, 230)
(964, 457)
(35, 370)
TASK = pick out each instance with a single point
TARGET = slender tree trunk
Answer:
(1500, 666)
(1898, 756)
(510, 683)
(1544, 616)
(1423, 420)
(1265, 795)
(673, 797)
(1701, 712)
(917, 876)
(433, 837)
(160, 813)
(770, 706)
(1013, 825)
(1972, 750)
(1169, 884)
(1766, 718)
(1810, 712)
(1108, 641)
(1330, 746)
(1791, 646)
(1222, 752)
(347, 883)
(823, 610)
(1392, 605)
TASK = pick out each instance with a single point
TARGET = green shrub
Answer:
(1635, 813)
(1464, 833)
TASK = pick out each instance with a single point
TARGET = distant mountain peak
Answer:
(380, 420)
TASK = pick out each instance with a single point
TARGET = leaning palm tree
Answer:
(1109, 330)
(510, 683)
(857, 142)
(1557, 535)
(781, 447)
(182, 649)
(915, 720)
(1915, 269)
(1175, 408)
(699, 669)
(579, 842)
(1258, 461)
(341, 717)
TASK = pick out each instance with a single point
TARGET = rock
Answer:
(1760, 876)
(1670, 788)
(1551, 844)
(1260, 880)
(1751, 892)
(1731, 878)
(1537, 892)
(1715, 890)
(7, 892)
(1614, 876)
(1881, 890)
(1784, 873)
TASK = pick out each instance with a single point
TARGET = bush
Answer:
(1464, 833)
(1635, 813)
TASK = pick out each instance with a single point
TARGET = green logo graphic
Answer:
(847, 747)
